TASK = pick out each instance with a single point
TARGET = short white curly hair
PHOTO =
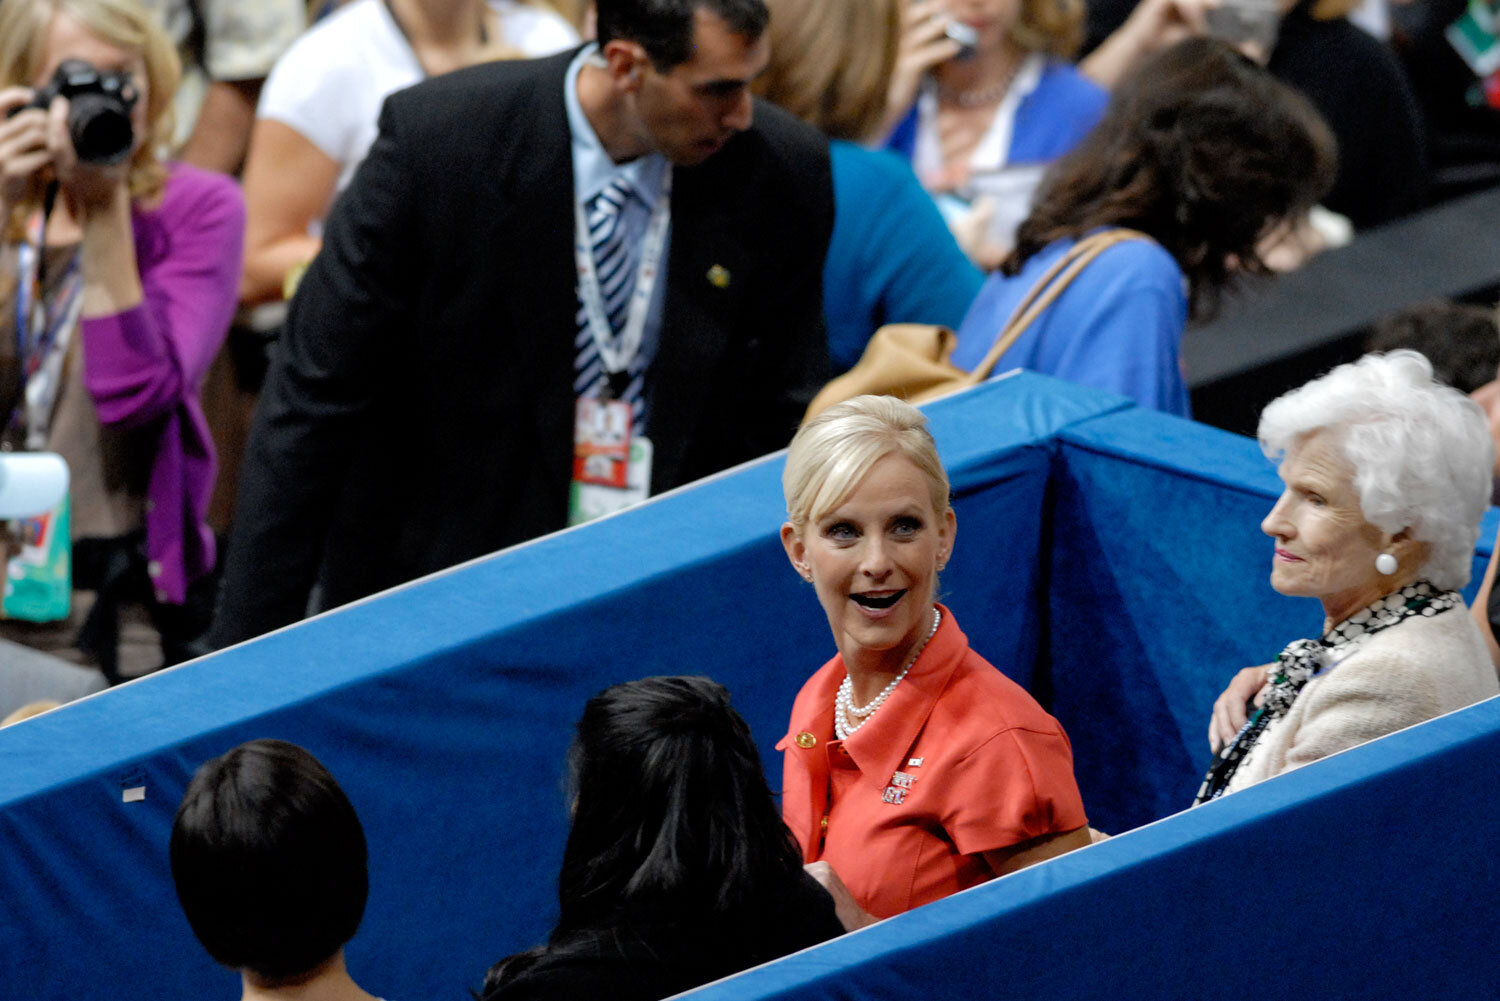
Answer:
(1422, 454)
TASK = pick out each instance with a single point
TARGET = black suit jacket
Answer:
(419, 408)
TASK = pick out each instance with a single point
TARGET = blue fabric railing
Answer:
(1108, 558)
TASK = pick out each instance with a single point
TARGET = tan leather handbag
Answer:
(911, 360)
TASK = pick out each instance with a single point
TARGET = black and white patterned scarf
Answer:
(1304, 660)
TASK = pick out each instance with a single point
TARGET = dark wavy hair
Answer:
(664, 28)
(269, 860)
(670, 811)
(1202, 150)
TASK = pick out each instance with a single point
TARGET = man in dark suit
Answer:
(420, 408)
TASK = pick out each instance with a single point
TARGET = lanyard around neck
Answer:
(43, 332)
(617, 354)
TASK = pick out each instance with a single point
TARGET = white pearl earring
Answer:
(1385, 563)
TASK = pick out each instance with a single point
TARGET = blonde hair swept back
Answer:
(832, 453)
(831, 62)
(125, 23)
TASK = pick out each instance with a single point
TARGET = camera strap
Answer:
(44, 329)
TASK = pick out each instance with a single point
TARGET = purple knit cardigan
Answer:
(144, 367)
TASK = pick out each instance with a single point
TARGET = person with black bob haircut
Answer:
(270, 864)
(678, 869)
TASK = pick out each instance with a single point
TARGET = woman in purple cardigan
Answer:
(118, 281)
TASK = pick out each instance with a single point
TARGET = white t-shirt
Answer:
(240, 41)
(330, 84)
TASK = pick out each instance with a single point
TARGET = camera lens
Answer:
(100, 127)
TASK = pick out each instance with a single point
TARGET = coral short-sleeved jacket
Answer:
(958, 761)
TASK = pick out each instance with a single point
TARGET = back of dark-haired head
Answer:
(1202, 150)
(1461, 340)
(664, 28)
(670, 806)
(269, 860)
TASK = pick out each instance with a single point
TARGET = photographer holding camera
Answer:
(118, 277)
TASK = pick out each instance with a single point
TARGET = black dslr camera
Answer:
(99, 106)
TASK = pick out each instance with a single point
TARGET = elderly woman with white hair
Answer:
(1387, 473)
(913, 768)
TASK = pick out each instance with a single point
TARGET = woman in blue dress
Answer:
(984, 97)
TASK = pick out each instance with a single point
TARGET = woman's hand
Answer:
(23, 147)
(1167, 22)
(1229, 708)
(971, 231)
(97, 197)
(923, 45)
(850, 914)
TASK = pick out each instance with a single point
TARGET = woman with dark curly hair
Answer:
(1202, 154)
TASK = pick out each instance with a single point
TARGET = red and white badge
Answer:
(601, 442)
(611, 467)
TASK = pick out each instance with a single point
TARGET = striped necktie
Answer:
(615, 265)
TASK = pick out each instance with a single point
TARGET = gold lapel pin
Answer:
(718, 276)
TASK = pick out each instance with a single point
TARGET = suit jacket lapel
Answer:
(694, 334)
(532, 194)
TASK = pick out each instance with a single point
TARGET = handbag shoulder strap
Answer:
(1048, 287)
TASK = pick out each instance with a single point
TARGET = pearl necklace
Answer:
(844, 709)
(981, 96)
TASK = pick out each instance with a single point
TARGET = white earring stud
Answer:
(1385, 563)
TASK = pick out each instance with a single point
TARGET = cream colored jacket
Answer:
(1378, 684)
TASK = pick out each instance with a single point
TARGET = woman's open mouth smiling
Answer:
(878, 601)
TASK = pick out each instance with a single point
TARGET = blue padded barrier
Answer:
(444, 708)
(1368, 875)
